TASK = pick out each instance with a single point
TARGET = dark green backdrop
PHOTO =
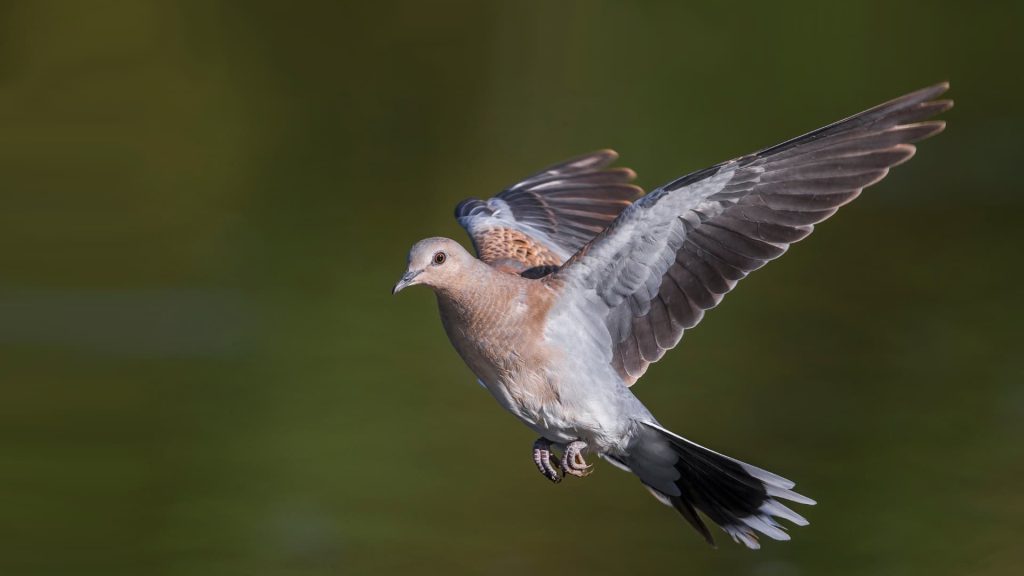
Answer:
(205, 204)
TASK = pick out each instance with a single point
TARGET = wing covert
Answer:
(541, 221)
(674, 253)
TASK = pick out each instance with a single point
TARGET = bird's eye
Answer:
(439, 258)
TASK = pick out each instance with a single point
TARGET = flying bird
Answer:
(582, 281)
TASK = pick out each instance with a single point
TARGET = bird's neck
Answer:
(479, 289)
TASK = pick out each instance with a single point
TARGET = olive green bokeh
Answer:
(205, 205)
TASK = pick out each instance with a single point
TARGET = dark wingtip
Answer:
(927, 93)
(636, 190)
(468, 206)
(593, 161)
(921, 100)
(628, 173)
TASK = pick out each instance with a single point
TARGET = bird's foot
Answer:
(546, 462)
(572, 460)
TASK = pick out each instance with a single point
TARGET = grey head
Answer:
(436, 262)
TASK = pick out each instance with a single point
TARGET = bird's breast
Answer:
(501, 339)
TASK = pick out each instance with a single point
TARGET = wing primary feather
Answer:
(674, 253)
(548, 216)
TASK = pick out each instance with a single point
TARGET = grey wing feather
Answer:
(677, 251)
(541, 221)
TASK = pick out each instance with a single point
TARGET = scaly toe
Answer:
(542, 457)
(577, 473)
(573, 462)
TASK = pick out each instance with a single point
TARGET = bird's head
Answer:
(436, 262)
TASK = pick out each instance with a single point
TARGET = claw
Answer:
(546, 462)
(573, 462)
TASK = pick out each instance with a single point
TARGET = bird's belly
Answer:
(555, 413)
(529, 397)
(547, 419)
(519, 379)
(555, 398)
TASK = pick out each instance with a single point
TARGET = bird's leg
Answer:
(572, 460)
(546, 462)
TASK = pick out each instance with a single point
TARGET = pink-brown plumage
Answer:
(495, 321)
(578, 290)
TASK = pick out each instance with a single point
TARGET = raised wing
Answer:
(677, 251)
(540, 222)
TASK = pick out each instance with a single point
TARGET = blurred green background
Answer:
(205, 205)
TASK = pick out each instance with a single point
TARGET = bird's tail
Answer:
(738, 497)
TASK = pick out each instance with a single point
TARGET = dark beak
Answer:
(408, 279)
